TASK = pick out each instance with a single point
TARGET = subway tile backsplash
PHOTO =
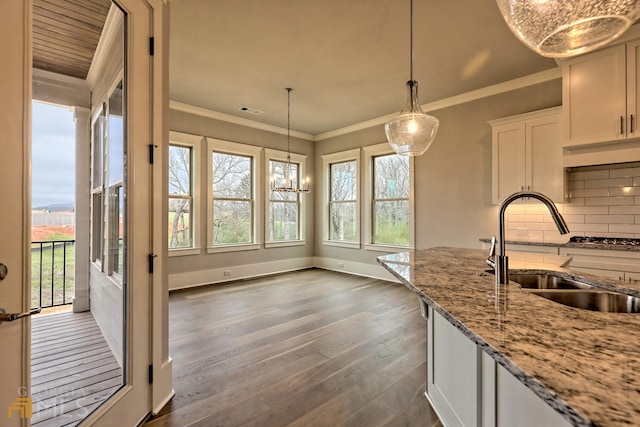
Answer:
(603, 201)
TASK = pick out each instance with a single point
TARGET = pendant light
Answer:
(412, 131)
(287, 184)
(559, 29)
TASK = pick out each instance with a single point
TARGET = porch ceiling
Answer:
(66, 33)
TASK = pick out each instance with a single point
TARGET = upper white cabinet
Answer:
(600, 97)
(527, 155)
(594, 96)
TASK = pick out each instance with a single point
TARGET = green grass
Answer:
(58, 276)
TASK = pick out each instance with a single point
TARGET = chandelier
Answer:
(558, 29)
(412, 131)
(288, 182)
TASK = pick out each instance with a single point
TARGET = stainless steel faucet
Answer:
(500, 263)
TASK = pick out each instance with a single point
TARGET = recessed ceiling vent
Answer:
(250, 110)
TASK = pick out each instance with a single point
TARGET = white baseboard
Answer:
(193, 279)
(375, 271)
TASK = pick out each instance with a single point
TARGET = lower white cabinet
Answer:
(453, 373)
(467, 388)
(617, 265)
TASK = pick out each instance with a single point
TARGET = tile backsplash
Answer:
(603, 201)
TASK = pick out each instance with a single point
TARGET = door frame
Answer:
(148, 300)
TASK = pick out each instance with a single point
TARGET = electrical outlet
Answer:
(227, 273)
(341, 264)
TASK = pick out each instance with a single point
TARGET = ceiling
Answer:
(347, 60)
(66, 33)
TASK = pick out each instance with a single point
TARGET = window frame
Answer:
(194, 142)
(234, 148)
(301, 161)
(369, 153)
(327, 161)
(98, 123)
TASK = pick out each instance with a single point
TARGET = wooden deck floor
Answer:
(309, 348)
(72, 368)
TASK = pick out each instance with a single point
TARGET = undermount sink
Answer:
(574, 293)
(546, 281)
(594, 299)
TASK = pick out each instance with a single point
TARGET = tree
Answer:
(180, 196)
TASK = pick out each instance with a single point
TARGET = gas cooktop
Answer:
(626, 241)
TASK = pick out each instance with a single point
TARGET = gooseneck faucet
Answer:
(500, 263)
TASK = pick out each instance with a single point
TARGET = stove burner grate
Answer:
(624, 241)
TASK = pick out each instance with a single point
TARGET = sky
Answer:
(52, 155)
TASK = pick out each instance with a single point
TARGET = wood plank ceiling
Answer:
(66, 34)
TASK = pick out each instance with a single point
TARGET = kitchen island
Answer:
(585, 365)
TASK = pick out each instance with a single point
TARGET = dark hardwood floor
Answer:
(308, 348)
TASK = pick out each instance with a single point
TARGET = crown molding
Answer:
(519, 83)
(485, 92)
(203, 112)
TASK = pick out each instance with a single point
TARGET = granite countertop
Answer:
(568, 244)
(585, 364)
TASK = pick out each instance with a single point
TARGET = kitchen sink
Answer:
(593, 299)
(546, 281)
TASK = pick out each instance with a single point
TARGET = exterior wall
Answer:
(203, 268)
(105, 295)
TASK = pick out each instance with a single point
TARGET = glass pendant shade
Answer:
(412, 131)
(562, 28)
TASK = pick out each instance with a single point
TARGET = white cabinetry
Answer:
(617, 265)
(516, 405)
(600, 98)
(452, 373)
(527, 155)
(466, 387)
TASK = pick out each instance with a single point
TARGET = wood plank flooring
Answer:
(72, 368)
(308, 348)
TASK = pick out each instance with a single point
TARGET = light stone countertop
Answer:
(585, 364)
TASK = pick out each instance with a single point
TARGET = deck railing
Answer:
(52, 273)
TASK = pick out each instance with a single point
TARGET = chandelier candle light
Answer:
(412, 131)
(288, 183)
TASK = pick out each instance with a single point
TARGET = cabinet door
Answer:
(508, 163)
(453, 373)
(633, 88)
(594, 97)
(545, 173)
(516, 405)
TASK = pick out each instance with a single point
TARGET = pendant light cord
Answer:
(411, 40)
(289, 127)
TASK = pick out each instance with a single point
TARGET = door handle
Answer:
(10, 317)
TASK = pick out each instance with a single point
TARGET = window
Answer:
(232, 216)
(285, 210)
(341, 219)
(97, 149)
(390, 191)
(108, 189)
(115, 181)
(183, 203)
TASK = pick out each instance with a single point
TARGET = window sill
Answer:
(184, 252)
(233, 248)
(285, 244)
(387, 248)
(350, 245)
